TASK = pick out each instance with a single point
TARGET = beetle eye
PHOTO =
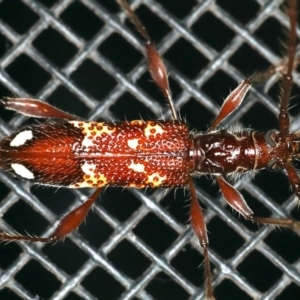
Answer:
(270, 137)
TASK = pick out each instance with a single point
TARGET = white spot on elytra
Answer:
(22, 171)
(137, 167)
(153, 130)
(133, 143)
(155, 179)
(21, 138)
(88, 169)
(91, 131)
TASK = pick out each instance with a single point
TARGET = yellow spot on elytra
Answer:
(136, 122)
(138, 186)
(137, 167)
(92, 131)
(90, 177)
(153, 130)
(133, 143)
(155, 179)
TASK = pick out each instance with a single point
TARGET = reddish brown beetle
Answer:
(76, 153)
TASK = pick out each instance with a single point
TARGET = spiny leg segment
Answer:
(35, 108)
(156, 65)
(68, 224)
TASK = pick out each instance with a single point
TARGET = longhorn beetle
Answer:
(67, 151)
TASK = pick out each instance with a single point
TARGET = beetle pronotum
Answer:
(25, 167)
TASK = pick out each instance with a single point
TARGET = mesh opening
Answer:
(79, 56)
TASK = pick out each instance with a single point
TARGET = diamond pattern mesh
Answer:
(85, 58)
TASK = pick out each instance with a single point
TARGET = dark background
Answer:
(71, 56)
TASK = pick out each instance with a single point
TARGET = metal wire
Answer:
(83, 57)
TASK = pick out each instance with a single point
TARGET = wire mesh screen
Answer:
(85, 58)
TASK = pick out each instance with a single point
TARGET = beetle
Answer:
(82, 135)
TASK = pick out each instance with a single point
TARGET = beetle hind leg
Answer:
(35, 108)
(199, 228)
(68, 224)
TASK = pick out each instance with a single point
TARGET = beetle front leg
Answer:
(68, 224)
(35, 108)
(235, 199)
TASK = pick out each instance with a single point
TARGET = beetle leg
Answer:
(287, 77)
(279, 69)
(68, 224)
(238, 203)
(232, 102)
(234, 198)
(35, 108)
(74, 218)
(199, 228)
(156, 65)
(293, 178)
